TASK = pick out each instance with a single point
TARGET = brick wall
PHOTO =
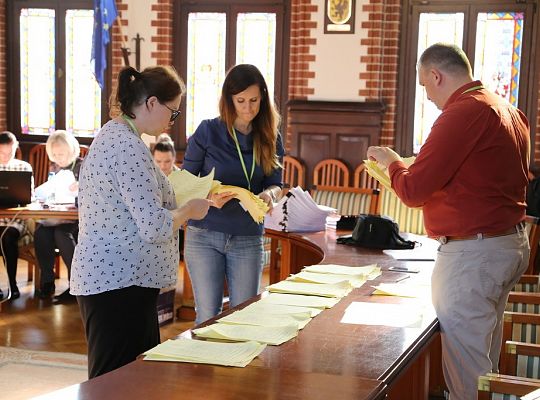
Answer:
(162, 40)
(3, 69)
(381, 61)
(119, 37)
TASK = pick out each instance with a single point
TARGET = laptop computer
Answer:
(15, 188)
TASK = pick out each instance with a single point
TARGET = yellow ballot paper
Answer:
(205, 352)
(188, 186)
(380, 172)
(340, 289)
(368, 271)
(296, 300)
(263, 307)
(270, 320)
(244, 333)
(399, 289)
(253, 204)
(312, 277)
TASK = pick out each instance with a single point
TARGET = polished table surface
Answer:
(328, 360)
(41, 211)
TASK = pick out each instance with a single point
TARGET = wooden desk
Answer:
(39, 211)
(328, 360)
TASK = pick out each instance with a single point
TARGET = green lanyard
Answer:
(131, 124)
(248, 178)
(473, 88)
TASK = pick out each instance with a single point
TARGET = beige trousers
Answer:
(470, 285)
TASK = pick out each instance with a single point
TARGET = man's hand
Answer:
(383, 155)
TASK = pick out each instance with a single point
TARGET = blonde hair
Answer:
(63, 137)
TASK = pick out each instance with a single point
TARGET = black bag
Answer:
(376, 232)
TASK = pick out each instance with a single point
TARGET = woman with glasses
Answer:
(245, 149)
(128, 223)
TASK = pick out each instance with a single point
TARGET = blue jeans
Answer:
(211, 258)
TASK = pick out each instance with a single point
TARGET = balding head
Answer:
(448, 58)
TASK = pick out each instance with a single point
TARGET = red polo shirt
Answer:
(471, 174)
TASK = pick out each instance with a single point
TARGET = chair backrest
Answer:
(523, 302)
(528, 284)
(331, 172)
(18, 153)
(294, 172)
(363, 180)
(39, 161)
(409, 219)
(521, 327)
(84, 151)
(533, 230)
(523, 359)
(347, 200)
(505, 387)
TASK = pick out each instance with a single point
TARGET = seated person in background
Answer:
(63, 151)
(533, 192)
(164, 154)
(11, 231)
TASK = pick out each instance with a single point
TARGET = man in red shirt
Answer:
(470, 179)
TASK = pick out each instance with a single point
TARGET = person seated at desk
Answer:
(11, 231)
(164, 154)
(63, 151)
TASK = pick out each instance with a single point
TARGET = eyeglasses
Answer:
(174, 113)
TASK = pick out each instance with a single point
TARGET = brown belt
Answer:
(509, 231)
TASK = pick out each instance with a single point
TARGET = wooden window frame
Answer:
(528, 94)
(13, 66)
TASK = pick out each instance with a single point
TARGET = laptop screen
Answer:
(15, 188)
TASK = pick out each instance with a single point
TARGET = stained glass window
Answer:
(37, 52)
(433, 28)
(256, 43)
(205, 67)
(497, 61)
(83, 94)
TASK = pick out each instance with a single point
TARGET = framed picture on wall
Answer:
(339, 16)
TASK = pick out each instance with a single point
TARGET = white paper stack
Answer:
(297, 212)
(203, 352)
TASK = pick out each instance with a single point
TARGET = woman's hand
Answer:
(74, 187)
(219, 199)
(267, 198)
(198, 208)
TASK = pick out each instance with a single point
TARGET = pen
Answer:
(403, 278)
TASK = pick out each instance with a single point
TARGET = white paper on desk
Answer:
(300, 300)
(263, 307)
(395, 315)
(356, 281)
(205, 352)
(340, 289)
(243, 317)
(58, 185)
(262, 334)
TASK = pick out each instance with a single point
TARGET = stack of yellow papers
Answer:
(368, 272)
(243, 317)
(380, 172)
(245, 333)
(296, 300)
(203, 352)
(340, 289)
(188, 186)
(267, 308)
(253, 204)
(408, 289)
(312, 277)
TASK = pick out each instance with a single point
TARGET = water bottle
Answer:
(52, 188)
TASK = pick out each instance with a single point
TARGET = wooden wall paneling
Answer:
(323, 129)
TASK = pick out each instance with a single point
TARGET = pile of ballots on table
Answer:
(274, 319)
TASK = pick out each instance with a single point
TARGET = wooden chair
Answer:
(522, 359)
(521, 327)
(39, 161)
(84, 150)
(497, 386)
(363, 180)
(294, 172)
(409, 219)
(533, 230)
(347, 200)
(523, 302)
(528, 284)
(18, 153)
(331, 172)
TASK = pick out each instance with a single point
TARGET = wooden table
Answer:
(41, 211)
(328, 360)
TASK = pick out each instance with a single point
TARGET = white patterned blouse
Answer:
(126, 233)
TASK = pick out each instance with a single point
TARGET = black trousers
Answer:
(48, 238)
(120, 325)
(11, 252)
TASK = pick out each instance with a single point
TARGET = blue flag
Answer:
(104, 15)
